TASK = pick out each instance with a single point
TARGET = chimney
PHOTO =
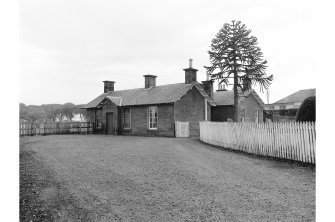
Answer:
(149, 81)
(190, 73)
(208, 87)
(245, 85)
(108, 86)
(221, 87)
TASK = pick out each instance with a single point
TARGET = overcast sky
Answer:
(69, 47)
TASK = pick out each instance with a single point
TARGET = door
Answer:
(109, 123)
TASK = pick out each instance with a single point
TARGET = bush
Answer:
(306, 111)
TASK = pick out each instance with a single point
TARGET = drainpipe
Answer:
(205, 109)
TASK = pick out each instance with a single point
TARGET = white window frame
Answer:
(149, 117)
(129, 118)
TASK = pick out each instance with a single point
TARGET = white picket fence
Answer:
(288, 140)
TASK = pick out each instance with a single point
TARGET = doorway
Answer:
(109, 123)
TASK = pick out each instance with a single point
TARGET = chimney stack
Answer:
(208, 87)
(149, 81)
(245, 85)
(108, 86)
(190, 73)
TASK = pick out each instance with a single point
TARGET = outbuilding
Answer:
(250, 106)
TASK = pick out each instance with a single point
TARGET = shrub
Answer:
(306, 111)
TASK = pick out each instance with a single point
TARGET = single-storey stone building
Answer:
(251, 106)
(152, 110)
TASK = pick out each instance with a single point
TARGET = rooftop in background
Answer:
(299, 96)
(226, 98)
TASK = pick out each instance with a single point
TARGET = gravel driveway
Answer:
(119, 178)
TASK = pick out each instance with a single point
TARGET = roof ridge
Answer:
(292, 96)
(145, 88)
(155, 95)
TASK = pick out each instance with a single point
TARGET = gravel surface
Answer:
(119, 178)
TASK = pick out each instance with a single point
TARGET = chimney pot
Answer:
(221, 87)
(190, 63)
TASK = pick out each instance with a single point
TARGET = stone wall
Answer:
(190, 108)
(140, 121)
(251, 105)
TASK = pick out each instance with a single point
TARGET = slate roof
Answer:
(153, 95)
(226, 98)
(299, 96)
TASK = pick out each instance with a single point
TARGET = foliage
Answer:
(32, 113)
(234, 51)
(49, 112)
(234, 54)
(306, 111)
(68, 109)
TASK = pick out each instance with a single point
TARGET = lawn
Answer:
(120, 178)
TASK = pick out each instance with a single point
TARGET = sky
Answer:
(67, 47)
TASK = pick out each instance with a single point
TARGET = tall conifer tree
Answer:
(234, 54)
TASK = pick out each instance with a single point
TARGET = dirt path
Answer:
(118, 178)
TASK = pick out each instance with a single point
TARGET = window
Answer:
(98, 123)
(282, 107)
(242, 114)
(256, 116)
(153, 117)
(126, 118)
(98, 117)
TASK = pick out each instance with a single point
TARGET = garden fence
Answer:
(288, 140)
(32, 129)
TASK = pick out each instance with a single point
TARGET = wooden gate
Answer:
(182, 129)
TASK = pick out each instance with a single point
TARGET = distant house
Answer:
(251, 106)
(285, 109)
(78, 117)
(152, 110)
